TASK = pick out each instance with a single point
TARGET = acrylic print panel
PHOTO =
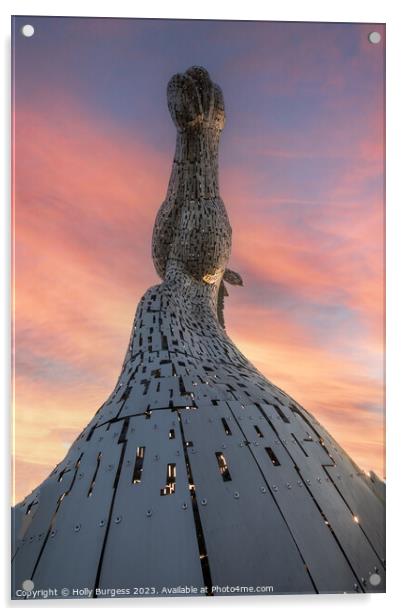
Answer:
(222, 184)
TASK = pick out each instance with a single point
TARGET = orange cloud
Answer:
(86, 195)
(84, 209)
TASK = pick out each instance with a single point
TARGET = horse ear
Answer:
(222, 293)
(233, 278)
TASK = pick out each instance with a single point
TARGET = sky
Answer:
(302, 178)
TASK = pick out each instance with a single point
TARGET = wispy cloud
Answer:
(302, 179)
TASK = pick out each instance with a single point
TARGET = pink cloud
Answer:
(85, 200)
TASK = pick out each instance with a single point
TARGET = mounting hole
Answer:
(28, 30)
(374, 37)
(28, 585)
(374, 579)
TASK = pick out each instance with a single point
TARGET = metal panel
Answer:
(363, 502)
(32, 537)
(247, 540)
(323, 557)
(313, 470)
(152, 537)
(72, 553)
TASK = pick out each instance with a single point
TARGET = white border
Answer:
(287, 10)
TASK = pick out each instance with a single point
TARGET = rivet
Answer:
(118, 519)
(110, 467)
(204, 501)
(275, 488)
(102, 523)
(356, 587)
(149, 513)
(241, 444)
(299, 483)
(77, 528)
(288, 485)
(156, 457)
(263, 490)
(184, 506)
(128, 462)
(80, 476)
(236, 495)
(52, 534)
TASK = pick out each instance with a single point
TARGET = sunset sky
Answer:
(301, 174)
